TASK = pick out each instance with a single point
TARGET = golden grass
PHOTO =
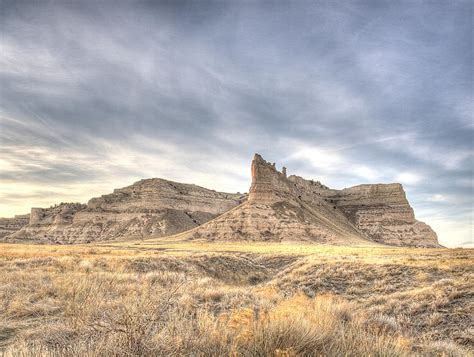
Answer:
(230, 299)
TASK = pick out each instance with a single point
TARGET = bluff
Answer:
(276, 210)
(155, 207)
(281, 208)
(382, 212)
(11, 225)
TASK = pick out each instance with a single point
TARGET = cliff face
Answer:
(384, 214)
(149, 207)
(59, 214)
(268, 184)
(158, 194)
(11, 225)
(277, 210)
(381, 211)
(282, 208)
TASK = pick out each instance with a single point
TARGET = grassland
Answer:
(175, 298)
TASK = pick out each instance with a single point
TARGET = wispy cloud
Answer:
(95, 95)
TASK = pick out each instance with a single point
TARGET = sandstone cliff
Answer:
(282, 208)
(380, 211)
(11, 225)
(384, 214)
(277, 210)
(58, 214)
(148, 207)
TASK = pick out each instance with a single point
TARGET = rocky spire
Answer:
(268, 184)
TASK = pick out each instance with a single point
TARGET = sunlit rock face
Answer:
(152, 207)
(278, 208)
(282, 208)
(277, 211)
(268, 184)
(380, 211)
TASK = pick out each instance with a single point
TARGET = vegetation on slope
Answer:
(229, 299)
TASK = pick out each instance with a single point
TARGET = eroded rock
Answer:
(11, 225)
(282, 208)
(151, 207)
(278, 208)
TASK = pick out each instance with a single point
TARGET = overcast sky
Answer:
(96, 95)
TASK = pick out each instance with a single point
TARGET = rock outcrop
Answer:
(380, 211)
(58, 214)
(148, 207)
(277, 210)
(11, 225)
(282, 208)
(46, 224)
(383, 213)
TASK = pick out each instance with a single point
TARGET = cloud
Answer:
(438, 198)
(316, 157)
(409, 178)
(95, 95)
(461, 229)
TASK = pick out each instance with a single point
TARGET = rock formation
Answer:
(383, 213)
(278, 208)
(59, 214)
(289, 209)
(148, 207)
(11, 225)
(44, 222)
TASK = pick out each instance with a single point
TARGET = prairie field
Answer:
(175, 298)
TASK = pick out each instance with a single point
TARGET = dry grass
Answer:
(201, 299)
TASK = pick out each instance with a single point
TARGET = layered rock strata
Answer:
(384, 214)
(380, 211)
(277, 211)
(278, 208)
(282, 208)
(11, 225)
(152, 207)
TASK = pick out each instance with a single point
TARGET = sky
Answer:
(95, 95)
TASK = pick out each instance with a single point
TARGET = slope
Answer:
(277, 210)
(155, 207)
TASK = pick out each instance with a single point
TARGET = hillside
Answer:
(11, 225)
(281, 208)
(155, 207)
(382, 212)
(278, 208)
